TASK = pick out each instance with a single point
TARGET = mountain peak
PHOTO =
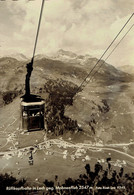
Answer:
(18, 56)
(62, 52)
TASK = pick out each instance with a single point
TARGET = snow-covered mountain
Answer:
(69, 56)
(18, 56)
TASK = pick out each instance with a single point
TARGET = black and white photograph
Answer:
(66, 97)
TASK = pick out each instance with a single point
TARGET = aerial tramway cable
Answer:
(84, 80)
(37, 34)
(112, 51)
(30, 65)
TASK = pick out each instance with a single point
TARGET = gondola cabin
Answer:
(32, 113)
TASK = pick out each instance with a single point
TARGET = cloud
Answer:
(86, 26)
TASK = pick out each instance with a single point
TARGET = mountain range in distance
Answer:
(66, 56)
(64, 65)
(62, 55)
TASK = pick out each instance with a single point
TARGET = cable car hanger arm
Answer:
(29, 66)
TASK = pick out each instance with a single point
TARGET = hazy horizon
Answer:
(83, 27)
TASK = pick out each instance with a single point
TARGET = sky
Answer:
(80, 26)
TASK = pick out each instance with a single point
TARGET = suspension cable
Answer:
(37, 34)
(112, 51)
(103, 54)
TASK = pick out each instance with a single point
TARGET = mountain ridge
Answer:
(51, 68)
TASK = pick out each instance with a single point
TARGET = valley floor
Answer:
(62, 156)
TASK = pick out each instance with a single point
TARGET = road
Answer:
(66, 144)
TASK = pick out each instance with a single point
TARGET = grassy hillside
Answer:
(94, 109)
